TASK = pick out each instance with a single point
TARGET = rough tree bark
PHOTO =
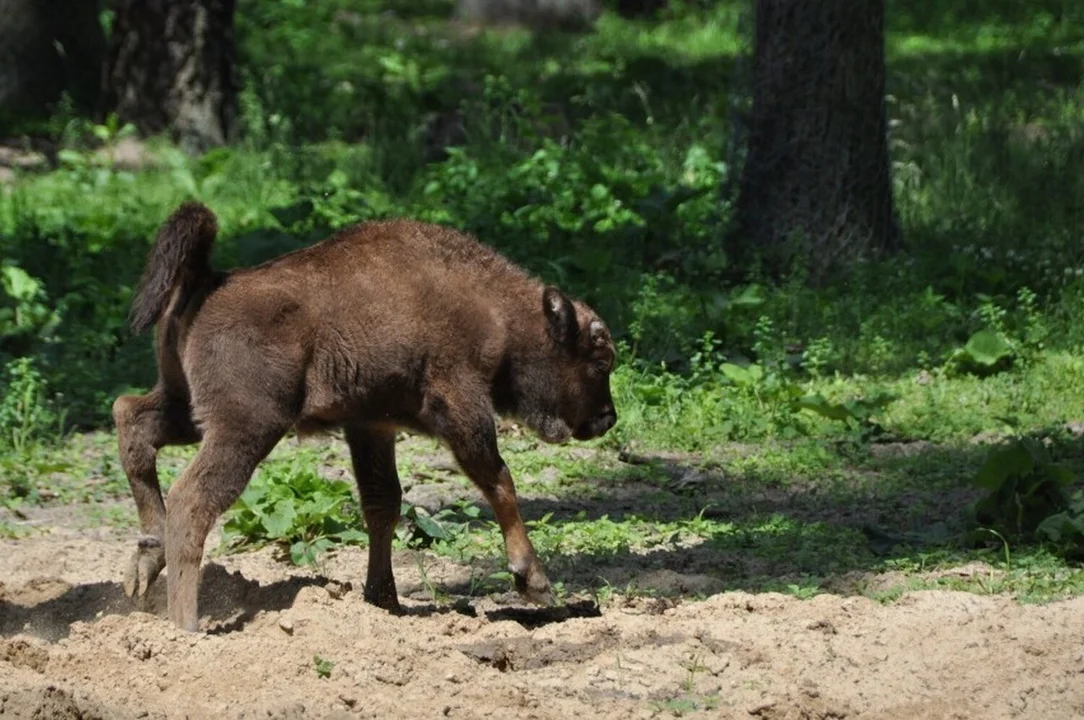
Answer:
(45, 49)
(817, 175)
(171, 68)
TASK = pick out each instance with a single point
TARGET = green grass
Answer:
(801, 517)
(595, 160)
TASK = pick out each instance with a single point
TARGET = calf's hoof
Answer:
(385, 599)
(534, 587)
(144, 566)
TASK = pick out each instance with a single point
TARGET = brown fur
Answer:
(384, 325)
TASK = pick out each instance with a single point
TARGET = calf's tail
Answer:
(180, 258)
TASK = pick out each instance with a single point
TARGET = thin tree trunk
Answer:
(171, 68)
(47, 48)
(817, 177)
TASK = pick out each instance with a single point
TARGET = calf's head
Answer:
(565, 391)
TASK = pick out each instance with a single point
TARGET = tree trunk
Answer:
(171, 68)
(817, 176)
(45, 49)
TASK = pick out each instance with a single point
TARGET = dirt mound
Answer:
(287, 643)
(49, 701)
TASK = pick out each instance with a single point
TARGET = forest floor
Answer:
(672, 639)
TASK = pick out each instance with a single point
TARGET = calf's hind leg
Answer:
(206, 489)
(145, 424)
(373, 455)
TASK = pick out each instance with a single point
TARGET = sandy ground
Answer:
(73, 647)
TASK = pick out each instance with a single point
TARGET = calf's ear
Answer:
(561, 315)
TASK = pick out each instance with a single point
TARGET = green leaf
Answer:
(338, 179)
(1012, 421)
(353, 536)
(279, 521)
(652, 395)
(301, 553)
(737, 374)
(1003, 463)
(987, 348)
(184, 178)
(1062, 526)
(431, 527)
(18, 284)
(71, 157)
(252, 495)
(1060, 475)
(750, 296)
(820, 405)
(323, 666)
(321, 504)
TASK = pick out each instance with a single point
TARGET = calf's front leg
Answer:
(466, 425)
(495, 481)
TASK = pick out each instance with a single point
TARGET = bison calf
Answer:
(384, 325)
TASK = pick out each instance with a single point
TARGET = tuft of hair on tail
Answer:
(180, 258)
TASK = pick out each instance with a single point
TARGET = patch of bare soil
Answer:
(71, 646)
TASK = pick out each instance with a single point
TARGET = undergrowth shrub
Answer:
(1028, 497)
(288, 504)
(29, 417)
